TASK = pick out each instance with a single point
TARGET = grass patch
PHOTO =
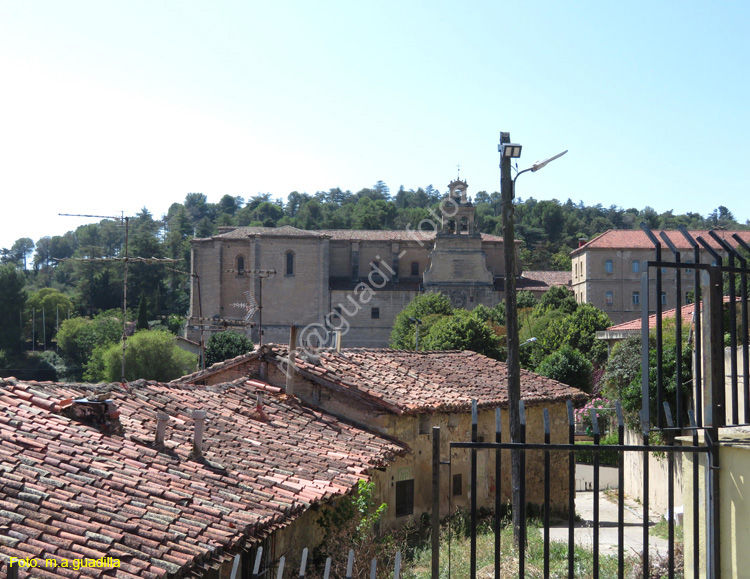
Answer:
(456, 553)
(661, 530)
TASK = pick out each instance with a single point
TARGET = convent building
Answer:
(353, 280)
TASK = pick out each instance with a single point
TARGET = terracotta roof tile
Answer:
(412, 382)
(635, 325)
(637, 239)
(159, 509)
(337, 234)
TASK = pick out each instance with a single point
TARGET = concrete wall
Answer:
(658, 476)
(734, 507)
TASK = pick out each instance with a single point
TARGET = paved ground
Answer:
(633, 525)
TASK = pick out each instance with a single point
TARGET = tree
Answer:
(557, 298)
(579, 331)
(463, 331)
(569, 366)
(12, 301)
(78, 337)
(225, 345)
(403, 335)
(152, 355)
(20, 250)
(47, 304)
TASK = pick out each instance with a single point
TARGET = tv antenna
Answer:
(126, 259)
(251, 306)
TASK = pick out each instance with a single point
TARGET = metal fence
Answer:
(698, 427)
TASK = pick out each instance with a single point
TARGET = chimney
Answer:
(292, 359)
(161, 426)
(198, 416)
(292, 337)
(582, 241)
(337, 339)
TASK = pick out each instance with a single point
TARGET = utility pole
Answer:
(511, 328)
(126, 259)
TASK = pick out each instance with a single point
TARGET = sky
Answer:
(109, 107)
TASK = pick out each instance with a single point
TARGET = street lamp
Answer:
(418, 322)
(510, 151)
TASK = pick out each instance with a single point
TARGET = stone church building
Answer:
(356, 281)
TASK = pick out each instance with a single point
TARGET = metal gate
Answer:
(698, 427)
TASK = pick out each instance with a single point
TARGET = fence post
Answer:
(714, 405)
(435, 501)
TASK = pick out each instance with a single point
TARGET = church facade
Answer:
(355, 281)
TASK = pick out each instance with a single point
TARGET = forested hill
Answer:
(549, 230)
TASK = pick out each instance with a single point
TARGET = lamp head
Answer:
(509, 150)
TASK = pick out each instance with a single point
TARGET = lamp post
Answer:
(510, 151)
(418, 323)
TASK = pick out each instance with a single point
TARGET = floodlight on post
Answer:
(509, 150)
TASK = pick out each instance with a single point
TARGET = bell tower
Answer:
(458, 264)
(458, 211)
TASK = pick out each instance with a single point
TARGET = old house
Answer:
(155, 480)
(403, 394)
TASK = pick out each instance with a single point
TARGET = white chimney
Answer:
(162, 418)
(198, 416)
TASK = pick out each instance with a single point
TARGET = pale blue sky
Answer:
(112, 106)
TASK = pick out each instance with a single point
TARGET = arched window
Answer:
(240, 265)
(289, 263)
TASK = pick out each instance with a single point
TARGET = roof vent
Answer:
(162, 418)
(199, 417)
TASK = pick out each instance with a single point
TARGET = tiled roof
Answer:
(637, 239)
(195, 377)
(285, 231)
(68, 490)
(549, 278)
(339, 234)
(687, 318)
(410, 382)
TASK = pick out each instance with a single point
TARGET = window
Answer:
(609, 266)
(375, 313)
(458, 485)
(415, 268)
(636, 266)
(689, 269)
(664, 298)
(240, 265)
(609, 298)
(424, 424)
(404, 498)
(289, 263)
(689, 297)
(636, 298)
